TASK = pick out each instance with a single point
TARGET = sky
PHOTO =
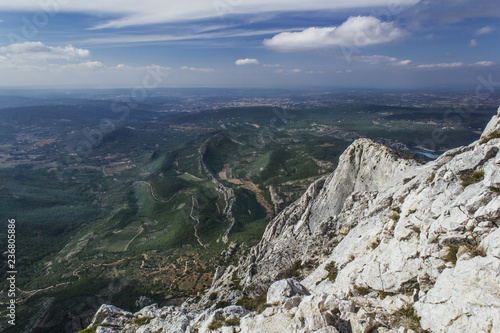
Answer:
(249, 43)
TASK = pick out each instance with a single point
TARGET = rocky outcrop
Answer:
(384, 244)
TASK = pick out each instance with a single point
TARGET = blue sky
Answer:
(249, 43)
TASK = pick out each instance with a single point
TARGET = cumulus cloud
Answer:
(484, 30)
(246, 61)
(198, 69)
(40, 51)
(381, 59)
(357, 31)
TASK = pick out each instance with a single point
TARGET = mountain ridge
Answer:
(383, 244)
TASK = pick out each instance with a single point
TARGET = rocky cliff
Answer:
(384, 244)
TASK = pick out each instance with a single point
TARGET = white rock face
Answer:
(385, 245)
(281, 290)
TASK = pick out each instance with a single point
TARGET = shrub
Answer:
(332, 271)
(494, 135)
(142, 320)
(375, 243)
(252, 304)
(212, 296)
(396, 209)
(362, 290)
(472, 177)
(431, 178)
(232, 322)
(395, 217)
(383, 294)
(222, 304)
(262, 307)
(215, 324)
(407, 317)
(451, 255)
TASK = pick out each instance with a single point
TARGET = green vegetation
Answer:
(232, 322)
(140, 321)
(332, 271)
(451, 254)
(375, 243)
(407, 317)
(395, 217)
(494, 135)
(117, 219)
(472, 177)
(362, 290)
(253, 304)
(215, 324)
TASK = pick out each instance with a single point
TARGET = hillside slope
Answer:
(383, 244)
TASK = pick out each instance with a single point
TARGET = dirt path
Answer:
(197, 220)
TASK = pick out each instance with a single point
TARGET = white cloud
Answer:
(483, 63)
(89, 65)
(442, 65)
(40, 51)
(357, 31)
(197, 69)
(246, 61)
(146, 12)
(473, 42)
(484, 30)
(456, 65)
(381, 59)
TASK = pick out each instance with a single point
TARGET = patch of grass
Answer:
(222, 304)
(494, 135)
(215, 324)
(431, 178)
(395, 217)
(411, 211)
(396, 209)
(407, 317)
(142, 320)
(451, 255)
(472, 177)
(406, 180)
(362, 290)
(323, 279)
(375, 243)
(212, 296)
(384, 294)
(416, 229)
(235, 282)
(262, 307)
(252, 304)
(232, 322)
(93, 329)
(332, 271)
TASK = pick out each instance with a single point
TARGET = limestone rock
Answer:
(281, 290)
